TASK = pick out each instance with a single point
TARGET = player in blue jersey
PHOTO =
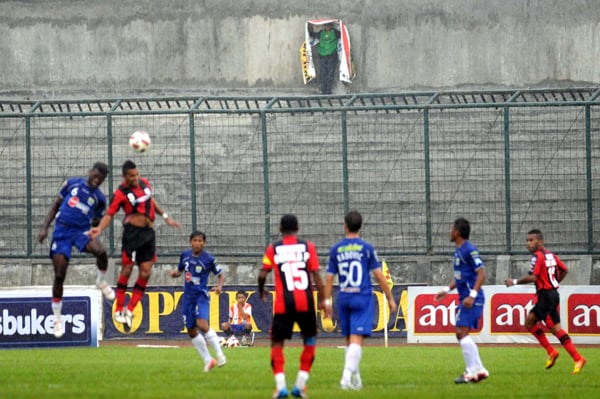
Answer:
(79, 204)
(469, 275)
(197, 265)
(352, 260)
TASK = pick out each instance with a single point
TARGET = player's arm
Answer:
(220, 281)
(383, 284)
(561, 270)
(529, 278)
(262, 278)
(43, 233)
(441, 294)
(104, 223)
(320, 288)
(327, 290)
(168, 219)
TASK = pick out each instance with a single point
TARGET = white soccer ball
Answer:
(233, 342)
(139, 141)
(222, 341)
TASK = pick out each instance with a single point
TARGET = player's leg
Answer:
(359, 312)
(202, 315)
(553, 322)
(533, 324)
(60, 253)
(467, 319)
(60, 263)
(308, 327)
(281, 329)
(95, 248)
(145, 256)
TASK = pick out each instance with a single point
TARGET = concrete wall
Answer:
(87, 47)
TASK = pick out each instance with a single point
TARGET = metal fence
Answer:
(411, 163)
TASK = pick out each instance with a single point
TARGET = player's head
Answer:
(460, 228)
(197, 241)
(97, 174)
(535, 240)
(130, 173)
(353, 221)
(288, 224)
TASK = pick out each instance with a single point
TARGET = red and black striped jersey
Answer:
(136, 199)
(547, 268)
(292, 261)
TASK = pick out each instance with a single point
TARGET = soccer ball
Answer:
(139, 141)
(222, 341)
(233, 342)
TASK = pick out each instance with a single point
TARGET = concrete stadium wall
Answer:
(88, 47)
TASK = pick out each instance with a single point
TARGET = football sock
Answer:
(56, 307)
(470, 354)
(301, 379)
(307, 357)
(539, 334)
(353, 356)
(277, 361)
(200, 345)
(100, 276)
(137, 293)
(213, 340)
(121, 289)
(566, 342)
(280, 381)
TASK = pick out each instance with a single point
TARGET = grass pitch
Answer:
(113, 371)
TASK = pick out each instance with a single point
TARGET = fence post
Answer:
(28, 183)
(507, 178)
(193, 170)
(265, 150)
(588, 177)
(428, 238)
(345, 161)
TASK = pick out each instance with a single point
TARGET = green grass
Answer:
(397, 372)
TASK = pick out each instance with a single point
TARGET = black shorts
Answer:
(547, 306)
(138, 245)
(283, 324)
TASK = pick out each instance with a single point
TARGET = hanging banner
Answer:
(158, 315)
(504, 315)
(344, 50)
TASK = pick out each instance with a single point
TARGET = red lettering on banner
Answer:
(508, 313)
(583, 313)
(433, 317)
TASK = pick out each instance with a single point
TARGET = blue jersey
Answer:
(197, 270)
(352, 259)
(466, 263)
(80, 203)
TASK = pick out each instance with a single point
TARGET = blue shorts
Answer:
(237, 329)
(195, 307)
(469, 317)
(355, 314)
(65, 238)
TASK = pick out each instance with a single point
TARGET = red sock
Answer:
(121, 289)
(277, 359)
(539, 334)
(307, 358)
(138, 293)
(566, 342)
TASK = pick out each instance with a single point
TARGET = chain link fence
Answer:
(411, 163)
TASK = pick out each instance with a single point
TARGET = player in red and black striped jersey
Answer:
(295, 266)
(134, 195)
(547, 270)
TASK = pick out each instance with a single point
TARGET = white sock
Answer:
(57, 309)
(200, 345)
(301, 379)
(471, 354)
(213, 340)
(100, 276)
(280, 381)
(353, 356)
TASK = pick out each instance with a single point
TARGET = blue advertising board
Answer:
(26, 318)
